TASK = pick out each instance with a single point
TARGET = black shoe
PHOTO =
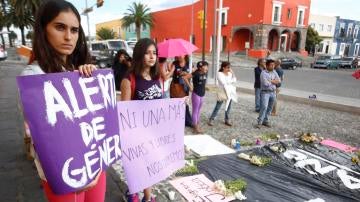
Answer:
(257, 110)
(267, 124)
(228, 123)
(210, 122)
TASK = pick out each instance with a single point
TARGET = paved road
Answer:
(330, 82)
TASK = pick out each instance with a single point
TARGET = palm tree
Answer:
(21, 20)
(105, 33)
(138, 14)
(20, 5)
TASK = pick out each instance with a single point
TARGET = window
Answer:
(321, 27)
(329, 28)
(349, 30)
(356, 51)
(342, 49)
(224, 14)
(342, 30)
(276, 14)
(356, 30)
(301, 15)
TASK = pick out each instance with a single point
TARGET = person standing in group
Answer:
(269, 79)
(143, 83)
(257, 71)
(180, 85)
(227, 92)
(166, 72)
(59, 45)
(280, 73)
(122, 63)
(199, 77)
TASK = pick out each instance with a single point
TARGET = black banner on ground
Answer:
(300, 173)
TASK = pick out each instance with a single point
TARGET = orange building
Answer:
(256, 25)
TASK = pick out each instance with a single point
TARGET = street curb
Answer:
(315, 103)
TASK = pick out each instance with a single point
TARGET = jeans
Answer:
(267, 100)
(257, 99)
(188, 119)
(197, 102)
(217, 108)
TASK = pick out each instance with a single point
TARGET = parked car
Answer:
(3, 53)
(131, 42)
(289, 63)
(327, 62)
(103, 52)
(349, 62)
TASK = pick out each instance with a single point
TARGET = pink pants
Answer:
(95, 194)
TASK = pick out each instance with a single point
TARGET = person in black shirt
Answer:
(257, 71)
(122, 63)
(199, 77)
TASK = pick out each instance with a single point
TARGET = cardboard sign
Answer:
(153, 140)
(73, 123)
(199, 188)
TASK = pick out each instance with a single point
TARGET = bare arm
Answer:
(125, 89)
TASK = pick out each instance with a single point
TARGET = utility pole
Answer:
(219, 35)
(204, 29)
(214, 45)
(191, 34)
(88, 20)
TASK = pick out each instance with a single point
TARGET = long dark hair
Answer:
(223, 65)
(121, 52)
(177, 61)
(138, 58)
(47, 57)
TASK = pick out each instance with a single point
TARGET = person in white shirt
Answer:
(227, 92)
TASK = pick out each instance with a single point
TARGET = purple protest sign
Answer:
(152, 134)
(74, 125)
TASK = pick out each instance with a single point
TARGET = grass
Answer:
(235, 185)
(268, 136)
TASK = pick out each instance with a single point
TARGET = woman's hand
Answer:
(87, 69)
(92, 183)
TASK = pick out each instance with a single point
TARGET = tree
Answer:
(21, 5)
(5, 11)
(105, 33)
(312, 39)
(138, 14)
(30, 35)
(12, 36)
(21, 20)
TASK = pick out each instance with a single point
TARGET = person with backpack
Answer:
(199, 77)
(143, 83)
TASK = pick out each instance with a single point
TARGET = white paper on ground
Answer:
(205, 145)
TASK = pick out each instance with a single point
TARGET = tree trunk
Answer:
(138, 32)
(10, 40)
(2, 41)
(22, 35)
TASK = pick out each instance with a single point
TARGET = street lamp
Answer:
(86, 12)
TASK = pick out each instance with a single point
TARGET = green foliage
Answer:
(235, 185)
(138, 14)
(247, 143)
(30, 35)
(268, 136)
(312, 39)
(187, 171)
(105, 33)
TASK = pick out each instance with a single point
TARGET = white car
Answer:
(3, 54)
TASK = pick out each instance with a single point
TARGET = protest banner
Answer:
(74, 125)
(152, 134)
(199, 188)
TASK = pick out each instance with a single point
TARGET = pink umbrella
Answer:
(175, 47)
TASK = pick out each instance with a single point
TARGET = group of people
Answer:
(268, 79)
(59, 45)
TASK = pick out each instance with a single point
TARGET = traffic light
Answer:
(99, 3)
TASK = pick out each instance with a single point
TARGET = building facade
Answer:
(325, 26)
(121, 33)
(346, 37)
(247, 25)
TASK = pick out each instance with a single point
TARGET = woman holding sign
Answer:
(143, 83)
(59, 46)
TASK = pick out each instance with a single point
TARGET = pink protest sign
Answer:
(199, 188)
(152, 140)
